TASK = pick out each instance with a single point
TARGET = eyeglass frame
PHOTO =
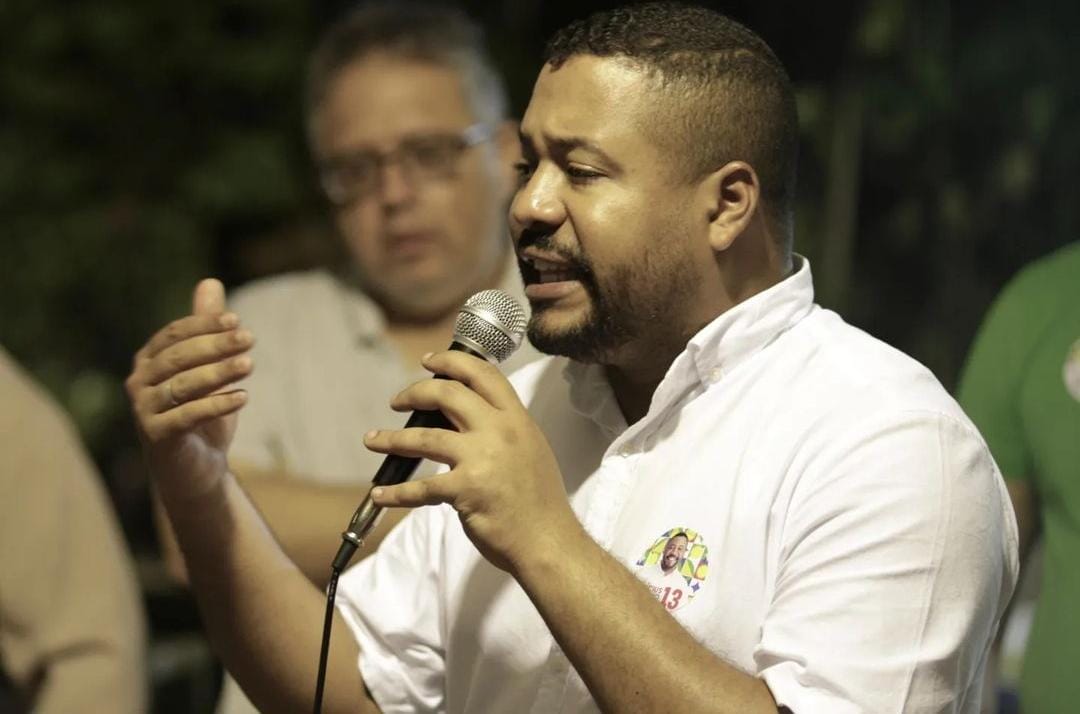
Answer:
(339, 195)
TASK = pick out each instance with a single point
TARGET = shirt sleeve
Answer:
(392, 603)
(991, 382)
(71, 621)
(897, 558)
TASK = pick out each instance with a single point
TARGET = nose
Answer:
(395, 185)
(536, 204)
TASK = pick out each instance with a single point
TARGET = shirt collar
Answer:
(749, 326)
(714, 351)
(591, 396)
(363, 318)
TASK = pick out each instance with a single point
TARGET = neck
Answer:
(633, 383)
(637, 370)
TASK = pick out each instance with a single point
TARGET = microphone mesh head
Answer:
(492, 322)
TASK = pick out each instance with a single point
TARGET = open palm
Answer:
(183, 394)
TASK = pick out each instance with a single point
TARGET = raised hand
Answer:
(182, 397)
(504, 481)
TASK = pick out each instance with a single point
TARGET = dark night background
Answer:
(146, 145)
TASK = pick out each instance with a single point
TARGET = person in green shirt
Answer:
(1021, 387)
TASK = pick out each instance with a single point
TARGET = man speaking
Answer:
(852, 547)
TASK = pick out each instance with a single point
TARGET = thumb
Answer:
(209, 297)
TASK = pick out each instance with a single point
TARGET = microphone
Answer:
(490, 325)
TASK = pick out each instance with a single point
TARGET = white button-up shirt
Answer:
(849, 537)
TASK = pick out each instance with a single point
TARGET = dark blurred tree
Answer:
(141, 141)
(970, 136)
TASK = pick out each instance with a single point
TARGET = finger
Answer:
(186, 328)
(186, 417)
(209, 297)
(462, 406)
(199, 382)
(196, 351)
(480, 376)
(436, 444)
(412, 494)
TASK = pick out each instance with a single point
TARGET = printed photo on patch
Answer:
(675, 567)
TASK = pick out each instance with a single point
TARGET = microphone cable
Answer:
(324, 649)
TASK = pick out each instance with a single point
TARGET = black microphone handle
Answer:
(399, 469)
(393, 470)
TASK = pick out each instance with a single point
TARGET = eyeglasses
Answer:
(423, 157)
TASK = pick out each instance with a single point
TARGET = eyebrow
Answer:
(563, 145)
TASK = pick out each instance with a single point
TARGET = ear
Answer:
(508, 148)
(732, 194)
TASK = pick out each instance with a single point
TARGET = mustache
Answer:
(545, 241)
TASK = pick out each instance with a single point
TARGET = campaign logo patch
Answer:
(1070, 372)
(675, 567)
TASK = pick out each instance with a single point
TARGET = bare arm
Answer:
(262, 616)
(305, 517)
(631, 653)
(245, 585)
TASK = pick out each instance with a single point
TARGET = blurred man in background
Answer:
(71, 622)
(1021, 387)
(407, 126)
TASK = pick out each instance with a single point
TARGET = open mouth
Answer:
(537, 271)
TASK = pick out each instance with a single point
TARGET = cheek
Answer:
(639, 257)
(360, 229)
(610, 233)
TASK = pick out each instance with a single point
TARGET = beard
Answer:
(635, 299)
(607, 325)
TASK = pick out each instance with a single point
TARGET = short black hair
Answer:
(731, 97)
(438, 34)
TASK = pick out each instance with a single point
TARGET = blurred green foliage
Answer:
(138, 139)
(970, 137)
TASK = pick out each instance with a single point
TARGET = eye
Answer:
(524, 170)
(432, 152)
(357, 169)
(582, 174)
